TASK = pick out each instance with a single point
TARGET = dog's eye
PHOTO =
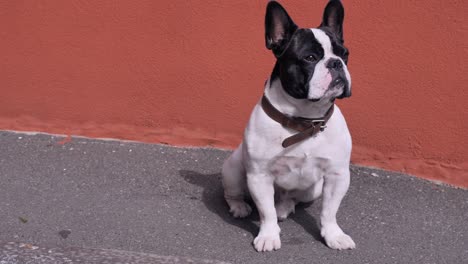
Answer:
(311, 58)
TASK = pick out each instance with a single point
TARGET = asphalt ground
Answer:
(86, 198)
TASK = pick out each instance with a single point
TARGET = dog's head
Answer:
(311, 62)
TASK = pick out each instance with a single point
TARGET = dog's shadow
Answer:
(213, 199)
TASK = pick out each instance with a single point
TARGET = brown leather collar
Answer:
(307, 127)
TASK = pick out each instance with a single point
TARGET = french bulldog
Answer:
(296, 146)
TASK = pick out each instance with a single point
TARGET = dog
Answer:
(296, 146)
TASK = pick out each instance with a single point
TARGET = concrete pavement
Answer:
(95, 196)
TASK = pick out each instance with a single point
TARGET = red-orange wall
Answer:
(189, 73)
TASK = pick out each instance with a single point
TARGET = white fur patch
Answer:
(320, 82)
(324, 40)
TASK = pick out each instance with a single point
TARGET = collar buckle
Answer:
(320, 122)
(322, 125)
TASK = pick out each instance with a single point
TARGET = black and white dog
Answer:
(298, 105)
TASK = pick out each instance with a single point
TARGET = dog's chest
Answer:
(304, 163)
(296, 172)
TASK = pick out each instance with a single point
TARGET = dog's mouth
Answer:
(339, 83)
(336, 89)
(333, 92)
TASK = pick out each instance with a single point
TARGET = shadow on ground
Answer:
(214, 201)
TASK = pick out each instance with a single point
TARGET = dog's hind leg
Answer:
(287, 201)
(235, 184)
(284, 205)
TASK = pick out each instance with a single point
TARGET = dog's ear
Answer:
(333, 17)
(279, 28)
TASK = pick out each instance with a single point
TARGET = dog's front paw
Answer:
(267, 242)
(239, 209)
(337, 239)
(342, 241)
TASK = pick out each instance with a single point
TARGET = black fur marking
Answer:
(293, 69)
(337, 45)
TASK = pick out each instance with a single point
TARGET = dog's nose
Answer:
(334, 64)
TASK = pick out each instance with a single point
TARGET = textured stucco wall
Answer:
(189, 72)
